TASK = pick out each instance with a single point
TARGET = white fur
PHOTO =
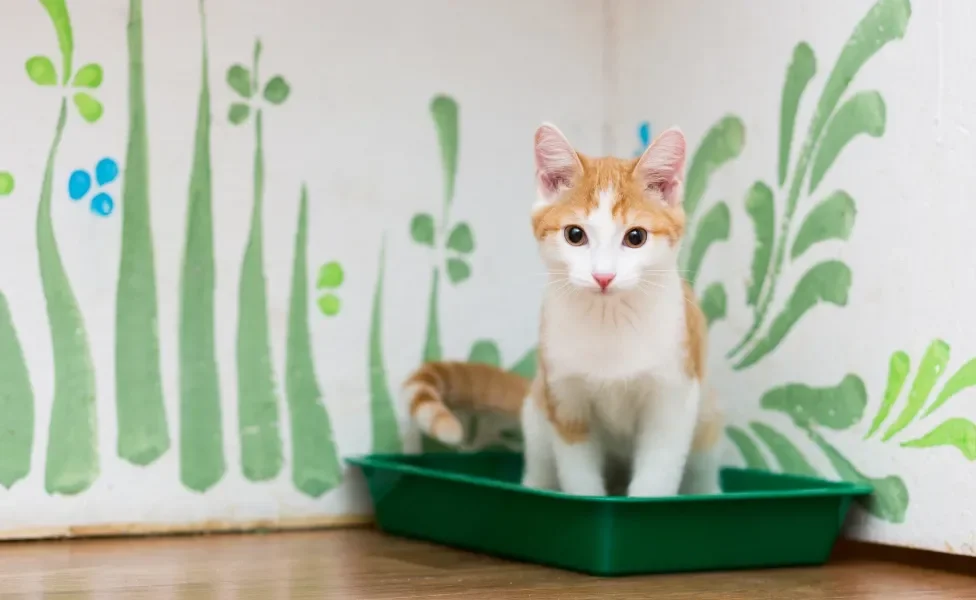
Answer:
(615, 360)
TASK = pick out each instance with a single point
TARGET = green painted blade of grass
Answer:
(444, 109)
(836, 407)
(257, 402)
(432, 341)
(315, 460)
(143, 434)
(747, 448)
(526, 366)
(715, 226)
(16, 403)
(723, 143)
(828, 282)
(72, 448)
(862, 114)
(832, 219)
(714, 303)
(761, 208)
(789, 457)
(898, 367)
(386, 431)
(486, 352)
(58, 12)
(202, 462)
(801, 70)
(962, 379)
(930, 370)
(957, 432)
(890, 499)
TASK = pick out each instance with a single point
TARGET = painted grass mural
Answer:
(261, 451)
(202, 462)
(143, 432)
(72, 452)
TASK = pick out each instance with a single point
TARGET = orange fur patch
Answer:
(468, 385)
(710, 424)
(634, 205)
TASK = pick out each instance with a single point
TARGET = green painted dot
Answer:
(330, 276)
(6, 183)
(329, 305)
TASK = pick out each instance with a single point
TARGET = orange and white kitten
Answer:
(621, 358)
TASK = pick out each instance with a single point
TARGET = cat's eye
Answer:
(635, 238)
(574, 235)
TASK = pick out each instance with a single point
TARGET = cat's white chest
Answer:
(612, 341)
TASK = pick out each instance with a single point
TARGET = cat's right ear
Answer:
(556, 162)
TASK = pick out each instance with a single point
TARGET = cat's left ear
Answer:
(662, 165)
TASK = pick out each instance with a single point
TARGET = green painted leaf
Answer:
(798, 75)
(41, 71)
(239, 80)
(747, 448)
(330, 276)
(461, 239)
(445, 112)
(885, 22)
(330, 305)
(890, 499)
(931, 368)
(898, 367)
(89, 108)
(962, 379)
(457, 270)
(422, 229)
(526, 365)
(712, 228)
(713, 303)
(276, 91)
(863, 113)
(832, 219)
(722, 143)
(789, 457)
(238, 113)
(826, 283)
(957, 432)
(16, 403)
(762, 210)
(838, 407)
(487, 352)
(89, 76)
(6, 183)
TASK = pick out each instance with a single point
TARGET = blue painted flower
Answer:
(80, 183)
(644, 135)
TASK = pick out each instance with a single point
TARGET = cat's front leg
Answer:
(665, 432)
(539, 471)
(577, 450)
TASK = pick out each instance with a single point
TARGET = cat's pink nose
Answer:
(603, 279)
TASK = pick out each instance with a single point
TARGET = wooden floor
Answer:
(363, 564)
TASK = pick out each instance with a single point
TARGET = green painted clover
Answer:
(42, 71)
(329, 280)
(460, 243)
(246, 82)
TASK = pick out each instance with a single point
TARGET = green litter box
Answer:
(474, 501)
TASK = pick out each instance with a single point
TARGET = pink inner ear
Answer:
(662, 165)
(555, 160)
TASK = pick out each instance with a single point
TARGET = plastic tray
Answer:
(474, 502)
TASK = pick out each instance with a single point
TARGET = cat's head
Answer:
(608, 224)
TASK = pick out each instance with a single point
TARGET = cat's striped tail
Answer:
(436, 388)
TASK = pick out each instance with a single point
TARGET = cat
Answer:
(617, 403)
